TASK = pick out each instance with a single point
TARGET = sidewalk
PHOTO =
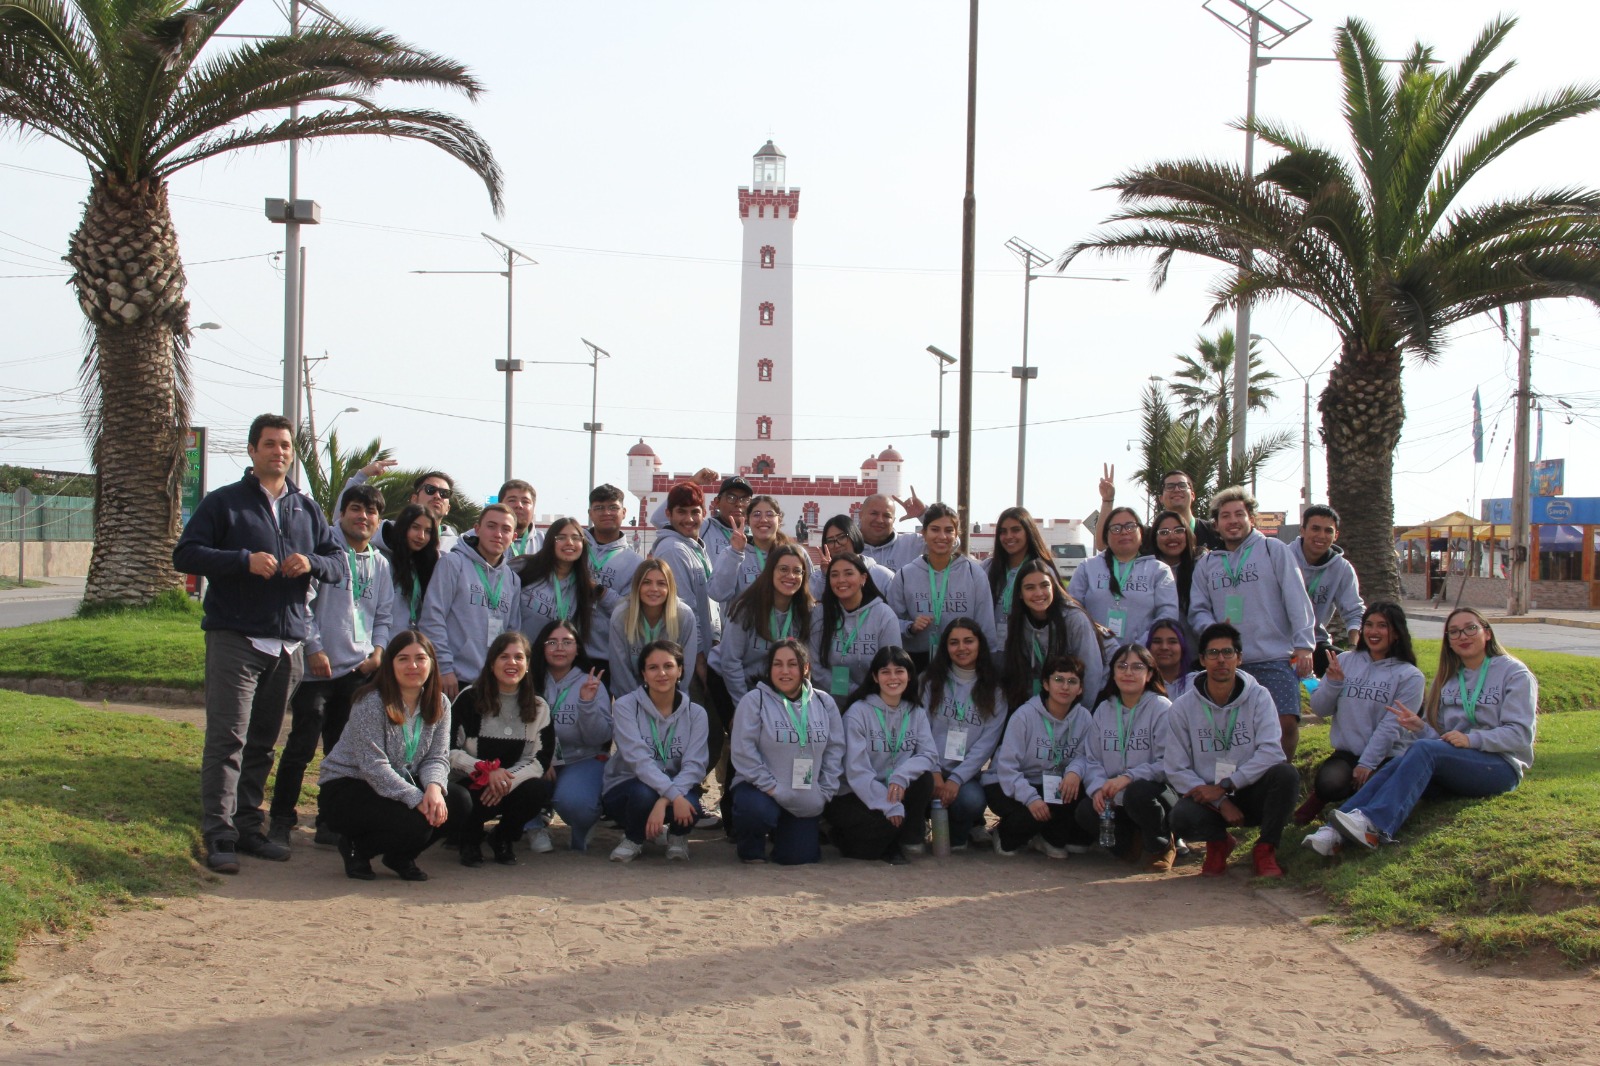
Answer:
(1572, 619)
(55, 588)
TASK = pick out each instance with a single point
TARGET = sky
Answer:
(624, 130)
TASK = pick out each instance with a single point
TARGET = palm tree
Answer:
(1198, 448)
(327, 471)
(396, 488)
(1382, 249)
(1205, 379)
(123, 83)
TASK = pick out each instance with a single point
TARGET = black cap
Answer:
(735, 484)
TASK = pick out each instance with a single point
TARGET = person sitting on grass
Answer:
(1356, 692)
(653, 780)
(383, 784)
(1474, 736)
(1123, 761)
(1036, 791)
(502, 748)
(1224, 756)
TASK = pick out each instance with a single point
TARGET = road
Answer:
(1534, 636)
(22, 607)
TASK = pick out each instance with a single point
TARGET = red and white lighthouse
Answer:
(764, 433)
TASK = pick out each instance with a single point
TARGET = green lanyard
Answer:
(700, 553)
(1060, 757)
(602, 560)
(414, 600)
(490, 595)
(850, 641)
(652, 633)
(1124, 728)
(411, 734)
(560, 598)
(936, 589)
(1123, 573)
(519, 546)
(663, 751)
(561, 696)
(1469, 702)
(358, 583)
(1233, 571)
(963, 711)
(899, 742)
(788, 624)
(1233, 720)
(1005, 593)
(801, 721)
(1036, 657)
(761, 560)
(1316, 582)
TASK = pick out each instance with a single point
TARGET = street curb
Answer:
(1522, 620)
(78, 690)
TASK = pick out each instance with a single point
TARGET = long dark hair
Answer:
(1400, 648)
(1152, 676)
(1020, 667)
(387, 686)
(403, 562)
(801, 653)
(888, 655)
(753, 609)
(1108, 555)
(542, 564)
(486, 689)
(1034, 548)
(846, 525)
(538, 669)
(939, 666)
(1184, 572)
(832, 612)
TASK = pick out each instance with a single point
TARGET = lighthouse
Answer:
(764, 432)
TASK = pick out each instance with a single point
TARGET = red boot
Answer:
(1265, 857)
(1309, 809)
(1217, 851)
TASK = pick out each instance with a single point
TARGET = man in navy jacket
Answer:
(258, 543)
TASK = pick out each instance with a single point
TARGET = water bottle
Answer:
(1108, 827)
(941, 831)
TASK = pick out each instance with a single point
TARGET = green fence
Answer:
(47, 518)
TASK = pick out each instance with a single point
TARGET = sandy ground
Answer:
(569, 958)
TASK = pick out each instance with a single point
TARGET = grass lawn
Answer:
(26, 583)
(1566, 682)
(1489, 876)
(96, 809)
(157, 646)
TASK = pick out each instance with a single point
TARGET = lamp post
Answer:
(941, 434)
(1243, 360)
(592, 427)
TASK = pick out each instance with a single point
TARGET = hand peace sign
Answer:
(591, 685)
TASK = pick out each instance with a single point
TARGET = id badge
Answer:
(840, 686)
(1116, 621)
(801, 776)
(358, 627)
(955, 745)
(1233, 608)
(497, 624)
(559, 759)
(1052, 788)
(1225, 770)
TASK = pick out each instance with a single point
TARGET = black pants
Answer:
(719, 715)
(1018, 825)
(515, 810)
(375, 824)
(1320, 655)
(1267, 803)
(1145, 807)
(319, 708)
(863, 832)
(1333, 782)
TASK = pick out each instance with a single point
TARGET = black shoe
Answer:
(356, 867)
(503, 852)
(325, 838)
(279, 832)
(222, 856)
(261, 847)
(896, 857)
(471, 855)
(406, 868)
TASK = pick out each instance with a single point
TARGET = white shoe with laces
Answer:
(626, 851)
(1356, 828)
(678, 849)
(1049, 850)
(1326, 842)
(539, 841)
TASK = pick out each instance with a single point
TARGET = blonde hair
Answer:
(1450, 663)
(633, 621)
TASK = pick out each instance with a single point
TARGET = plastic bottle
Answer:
(1108, 827)
(941, 831)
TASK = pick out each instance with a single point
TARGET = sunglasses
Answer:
(435, 490)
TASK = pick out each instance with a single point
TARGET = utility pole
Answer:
(969, 229)
(1521, 504)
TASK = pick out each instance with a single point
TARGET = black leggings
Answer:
(375, 824)
(1018, 825)
(1145, 806)
(515, 810)
(863, 832)
(1267, 803)
(1334, 781)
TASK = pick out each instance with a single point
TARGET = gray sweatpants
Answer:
(247, 693)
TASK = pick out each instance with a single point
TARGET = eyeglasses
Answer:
(1464, 631)
(1131, 666)
(435, 490)
(838, 540)
(561, 642)
(569, 538)
(1175, 486)
(790, 571)
(1066, 679)
(1223, 654)
(606, 508)
(1172, 531)
(1123, 527)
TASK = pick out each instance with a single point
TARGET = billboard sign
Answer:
(194, 470)
(1548, 477)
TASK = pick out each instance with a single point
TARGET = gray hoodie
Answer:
(1131, 746)
(743, 652)
(456, 614)
(1359, 706)
(965, 591)
(764, 743)
(691, 569)
(373, 749)
(896, 552)
(540, 608)
(1150, 592)
(612, 564)
(583, 727)
(1002, 602)
(1083, 643)
(895, 751)
(331, 627)
(682, 737)
(956, 713)
(1035, 743)
(853, 645)
(1275, 612)
(735, 571)
(1507, 711)
(624, 653)
(1330, 583)
(1195, 745)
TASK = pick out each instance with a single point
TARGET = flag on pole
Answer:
(1477, 427)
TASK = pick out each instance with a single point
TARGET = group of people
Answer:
(514, 676)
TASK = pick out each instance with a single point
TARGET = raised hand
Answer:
(739, 539)
(1108, 482)
(591, 685)
(913, 507)
(379, 467)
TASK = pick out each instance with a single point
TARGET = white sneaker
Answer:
(626, 851)
(1000, 849)
(678, 849)
(1076, 849)
(1356, 828)
(1325, 842)
(539, 841)
(978, 834)
(661, 837)
(914, 849)
(1048, 850)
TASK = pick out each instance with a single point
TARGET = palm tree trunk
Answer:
(129, 280)
(1363, 410)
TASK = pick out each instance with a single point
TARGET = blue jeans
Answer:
(1279, 679)
(965, 812)
(577, 798)
(631, 803)
(1390, 794)
(757, 816)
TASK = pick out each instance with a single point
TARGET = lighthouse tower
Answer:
(765, 429)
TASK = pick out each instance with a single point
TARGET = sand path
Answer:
(569, 958)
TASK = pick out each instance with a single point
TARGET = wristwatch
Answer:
(1226, 784)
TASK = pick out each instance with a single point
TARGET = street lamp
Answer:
(946, 360)
(1305, 423)
(592, 427)
(335, 419)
